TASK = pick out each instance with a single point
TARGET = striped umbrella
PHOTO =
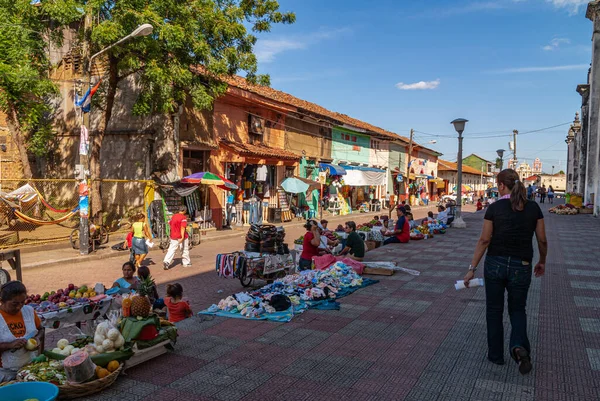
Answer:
(207, 178)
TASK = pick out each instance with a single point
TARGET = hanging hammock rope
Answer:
(31, 220)
(48, 206)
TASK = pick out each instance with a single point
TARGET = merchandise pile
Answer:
(292, 294)
(564, 209)
(266, 238)
(428, 230)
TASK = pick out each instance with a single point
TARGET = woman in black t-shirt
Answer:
(507, 235)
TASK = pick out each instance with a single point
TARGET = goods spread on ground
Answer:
(428, 230)
(84, 365)
(292, 295)
(564, 209)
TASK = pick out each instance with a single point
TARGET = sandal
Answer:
(524, 360)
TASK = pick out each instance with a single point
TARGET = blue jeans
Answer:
(391, 240)
(513, 275)
(304, 264)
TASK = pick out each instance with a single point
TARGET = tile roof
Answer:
(303, 105)
(445, 165)
(248, 149)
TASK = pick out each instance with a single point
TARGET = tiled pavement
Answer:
(406, 338)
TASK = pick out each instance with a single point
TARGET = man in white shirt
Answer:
(442, 214)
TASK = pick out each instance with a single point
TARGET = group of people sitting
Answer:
(177, 307)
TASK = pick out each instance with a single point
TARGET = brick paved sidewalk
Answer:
(405, 338)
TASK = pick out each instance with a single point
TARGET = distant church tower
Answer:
(537, 166)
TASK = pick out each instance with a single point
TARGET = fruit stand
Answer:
(567, 208)
(69, 306)
(124, 334)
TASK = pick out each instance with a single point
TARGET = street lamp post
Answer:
(459, 126)
(500, 153)
(84, 225)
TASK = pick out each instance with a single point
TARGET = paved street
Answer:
(405, 338)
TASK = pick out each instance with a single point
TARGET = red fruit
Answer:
(71, 287)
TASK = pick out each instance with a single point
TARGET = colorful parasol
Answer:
(207, 178)
(465, 188)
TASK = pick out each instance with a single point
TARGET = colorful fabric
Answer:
(308, 289)
(229, 265)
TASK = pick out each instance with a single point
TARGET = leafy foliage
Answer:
(210, 33)
(25, 31)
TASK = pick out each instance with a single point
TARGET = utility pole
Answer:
(410, 149)
(515, 133)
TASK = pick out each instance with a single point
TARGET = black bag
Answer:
(280, 302)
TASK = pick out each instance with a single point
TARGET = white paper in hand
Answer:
(149, 243)
(476, 282)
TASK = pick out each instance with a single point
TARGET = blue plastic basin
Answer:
(22, 391)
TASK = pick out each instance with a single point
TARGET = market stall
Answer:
(123, 332)
(360, 185)
(265, 257)
(292, 295)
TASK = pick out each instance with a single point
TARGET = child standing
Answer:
(177, 307)
(479, 205)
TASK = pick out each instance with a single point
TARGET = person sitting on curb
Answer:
(355, 246)
(401, 233)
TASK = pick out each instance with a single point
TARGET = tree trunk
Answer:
(97, 136)
(14, 127)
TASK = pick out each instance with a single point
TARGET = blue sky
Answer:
(400, 64)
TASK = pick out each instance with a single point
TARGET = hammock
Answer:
(48, 206)
(31, 220)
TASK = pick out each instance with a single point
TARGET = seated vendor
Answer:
(18, 322)
(355, 246)
(443, 215)
(401, 232)
(127, 283)
(429, 218)
(327, 238)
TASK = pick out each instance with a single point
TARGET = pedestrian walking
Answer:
(550, 194)
(179, 239)
(387, 200)
(529, 192)
(507, 235)
(543, 194)
(141, 233)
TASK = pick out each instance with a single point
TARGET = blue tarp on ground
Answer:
(287, 315)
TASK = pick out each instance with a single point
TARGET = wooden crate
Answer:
(378, 271)
(585, 210)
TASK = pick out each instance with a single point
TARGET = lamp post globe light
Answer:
(84, 225)
(500, 153)
(459, 126)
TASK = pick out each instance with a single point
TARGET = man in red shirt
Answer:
(401, 233)
(179, 239)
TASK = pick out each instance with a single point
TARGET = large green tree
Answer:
(26, 30)
(216, 34)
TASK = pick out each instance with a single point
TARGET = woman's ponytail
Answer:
(518, 192)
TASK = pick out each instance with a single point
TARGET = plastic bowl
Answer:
(41, 391)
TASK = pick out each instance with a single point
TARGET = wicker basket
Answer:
(70, 391)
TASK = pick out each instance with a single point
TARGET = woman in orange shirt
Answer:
(18, 323)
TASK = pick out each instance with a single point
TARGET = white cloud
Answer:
(266, 49)
(556, 43)
(571, 5)
(421, 85)
(541, 69)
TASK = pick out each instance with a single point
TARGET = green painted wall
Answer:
(351, 151)
(475, 162)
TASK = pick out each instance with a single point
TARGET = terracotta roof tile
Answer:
(248, 149)
(445, 165)
(303, 105)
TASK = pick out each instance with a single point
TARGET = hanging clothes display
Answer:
(229, 265)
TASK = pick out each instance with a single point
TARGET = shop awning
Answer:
(334, 169)
(436, 180)
(296, 185)
(357, 176)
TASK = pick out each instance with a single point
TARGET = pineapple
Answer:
(140, 304)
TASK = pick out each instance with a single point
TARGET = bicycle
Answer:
(98, 236)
